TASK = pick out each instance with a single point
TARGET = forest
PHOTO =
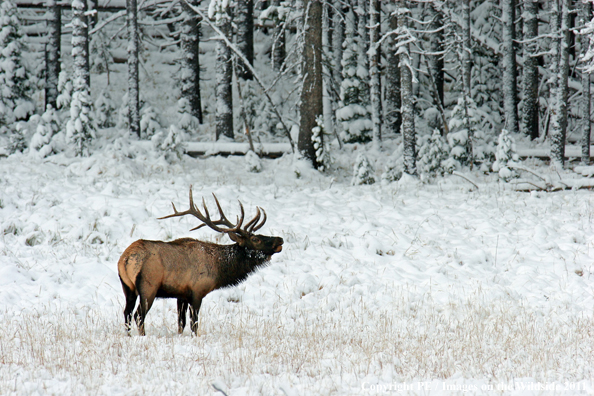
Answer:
(426, 164)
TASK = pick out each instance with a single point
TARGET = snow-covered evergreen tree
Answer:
(322, 151)
(353, 113)
(434, 150)
(363, 172)
(150, 124)
(64, 90)
(252, 162)
(15, 103)
(463, 125)
(49, 124)
(104, 110)
(173, 143)
(185, 118)
(80, 129)
(18, 138)
(506, 153)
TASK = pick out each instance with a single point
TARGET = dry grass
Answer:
(316, 351)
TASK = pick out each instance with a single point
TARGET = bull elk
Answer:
(189, 269)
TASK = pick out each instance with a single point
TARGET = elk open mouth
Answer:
(278, 249)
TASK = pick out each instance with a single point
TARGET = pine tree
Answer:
(104, 110)
(18, 139)
(218, 11)
(353, 114)
(190, 59)
(363, 172)
(463, 125)
(149, 122)
(53, 51)
(506, 154)
(311, 106)
(509, 65)
(64, 91)
(322, 151)
(100, 57)
(432, 154)
(186, 120)
(80, 129)
(405, 36)
(530, 76)
(244, 19)
(585, 43)
(559, 104)
(173, 143)
(48, 126)
(133, 50)
(15, 103)
(393, 101)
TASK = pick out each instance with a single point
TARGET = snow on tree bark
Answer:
(363, 47)
(337, 40)
(406, 89)
(218, 11)
(559, 106)
(436, 59)
(585, 13)
(530, 77)
(311, 93)
(392, 72)
(375, 78)
(53, 48)
(279, 51)
(190, 63)
(509, 66)
(133, 85)
(244, 20)
(80, 128)
(329, 93)
(466, 56)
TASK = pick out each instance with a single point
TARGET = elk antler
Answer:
(249, 228)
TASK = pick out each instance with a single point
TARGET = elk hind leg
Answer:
(147, 295)
(182, 308)
(130, 303)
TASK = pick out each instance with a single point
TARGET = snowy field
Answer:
(424, 288)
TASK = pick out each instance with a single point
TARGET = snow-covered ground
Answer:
(433, 288)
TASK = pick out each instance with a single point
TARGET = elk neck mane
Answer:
(239, 263)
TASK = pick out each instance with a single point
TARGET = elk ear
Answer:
(237, 238)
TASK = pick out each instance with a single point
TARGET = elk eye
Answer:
(255, 240)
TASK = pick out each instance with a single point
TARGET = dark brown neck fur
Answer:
(238, 264)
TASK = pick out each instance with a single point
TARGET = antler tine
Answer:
(249, 227)
(257, 227)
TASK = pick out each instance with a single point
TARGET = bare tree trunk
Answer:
(133, 87)
(311, 93)
(510, 97)
(190, 63)
(361, 12)
(466, 48)
(586, 126)
(53, 50)
(406, 89)
(329, 95)
(279, 51)
(559, 108)
(530, 77)
(224, 68)
(393, 98)
(79, 44)
(436, 59)
(244, 18)
(374, 71)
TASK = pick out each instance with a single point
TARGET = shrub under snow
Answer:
(363, 172)
(506, 154)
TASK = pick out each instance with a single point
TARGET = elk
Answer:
(188, 269)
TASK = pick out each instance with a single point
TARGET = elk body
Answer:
(188, 269)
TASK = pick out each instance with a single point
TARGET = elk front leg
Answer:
(194, 309)
(182, 308)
